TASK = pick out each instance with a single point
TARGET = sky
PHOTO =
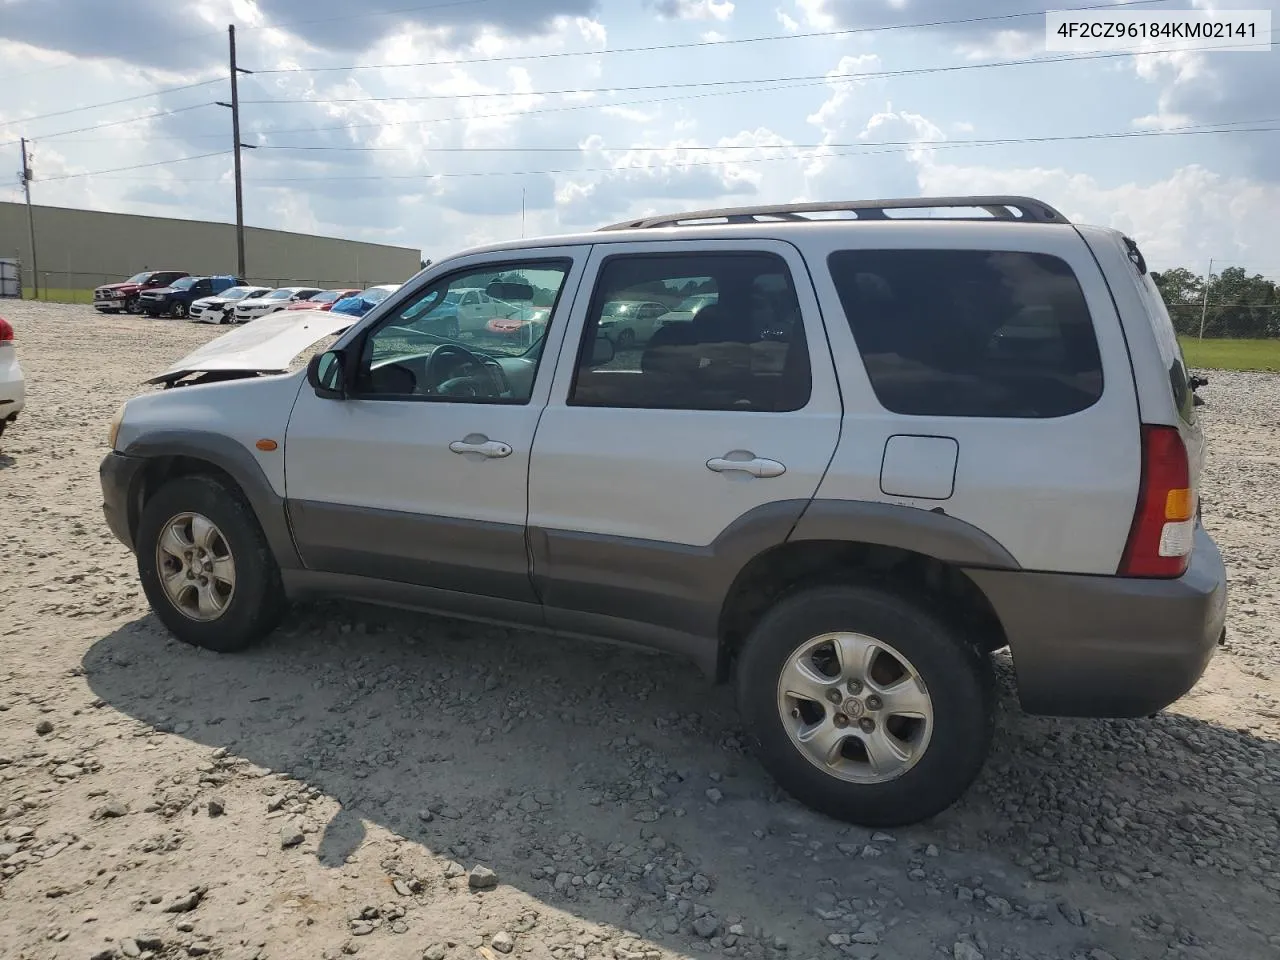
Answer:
(442, 124)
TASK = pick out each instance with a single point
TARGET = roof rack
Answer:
(1016, 209)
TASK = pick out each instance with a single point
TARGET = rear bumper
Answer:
(117, 474)
(1097, 646)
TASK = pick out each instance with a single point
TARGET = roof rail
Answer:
(1017, 209)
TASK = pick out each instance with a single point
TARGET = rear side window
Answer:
(970, 333)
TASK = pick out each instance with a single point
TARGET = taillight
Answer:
(6, 331)
(1163, 528)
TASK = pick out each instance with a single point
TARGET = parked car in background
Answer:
(688, 308)
(175, 300)
(364, 301)
(251, 308)
(525, 326)
(324, 300)
(115, 297)
(220, 309)
(13, 388)
(628, 322)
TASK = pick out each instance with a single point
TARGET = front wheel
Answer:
(131, 306)
(864, 706)
(178, 311)
(205, 565)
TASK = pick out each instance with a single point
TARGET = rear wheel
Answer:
(205, 565)
(865, 707)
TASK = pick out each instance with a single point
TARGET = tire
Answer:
(131, 306)
(255, 603)
(451, 331)
(178, 311)
(626, 339)
(944, 755)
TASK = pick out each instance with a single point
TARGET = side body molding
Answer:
(228, 455)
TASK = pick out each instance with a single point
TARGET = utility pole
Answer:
(31, 222)
(1204, 306)
(237, 146)
(522, 213)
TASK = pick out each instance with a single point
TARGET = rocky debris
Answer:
(110, 810)
(482, 878)
(44, 728)
(185, 901)
(216, 807)
(290, 836)
(502, 942)
(661, 831)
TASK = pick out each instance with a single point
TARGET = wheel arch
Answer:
(188, 453)
(917, 553)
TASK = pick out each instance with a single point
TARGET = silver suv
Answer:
(883, 446)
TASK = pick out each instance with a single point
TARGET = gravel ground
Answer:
(398, 786)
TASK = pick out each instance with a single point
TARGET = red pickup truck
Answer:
(114, 297)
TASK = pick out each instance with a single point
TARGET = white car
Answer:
(221, 308)
(251, 308)
(13, 390)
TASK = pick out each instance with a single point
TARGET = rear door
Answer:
(642, 464)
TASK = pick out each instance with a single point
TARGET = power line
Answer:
(800, 80)
(137, 166)
(676, 148)
(514, 58)
(117, 123)
(896, 146)
(112, 103)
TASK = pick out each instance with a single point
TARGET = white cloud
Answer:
(789, 23)
(816, 14)
(713, 36)
(693, 9)
(1185, 218)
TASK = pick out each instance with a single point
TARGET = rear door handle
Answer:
(479, 443)
(739, 462)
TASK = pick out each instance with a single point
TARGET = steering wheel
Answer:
(464, 386)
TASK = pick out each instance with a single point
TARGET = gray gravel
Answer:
(398, 759)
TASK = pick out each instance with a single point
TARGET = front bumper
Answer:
(1099, 646)
(117, 474)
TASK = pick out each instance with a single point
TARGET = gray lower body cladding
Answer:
(1096, 646)
(1100, 646)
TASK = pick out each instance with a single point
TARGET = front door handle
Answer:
(479, 443)
(740, 461)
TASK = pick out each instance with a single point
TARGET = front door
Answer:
(420, 476)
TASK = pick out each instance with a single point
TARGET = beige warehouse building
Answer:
(78, 250)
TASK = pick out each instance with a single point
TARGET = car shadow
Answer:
(548, 759)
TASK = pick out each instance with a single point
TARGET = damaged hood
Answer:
(267, 345)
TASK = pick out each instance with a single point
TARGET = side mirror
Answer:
(325, 373)
(602, 352)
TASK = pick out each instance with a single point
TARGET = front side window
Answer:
(744, 351)
(186, 283)
(970, 333)
(427, 349)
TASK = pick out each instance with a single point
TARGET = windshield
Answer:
(374, 295)
(237, 293)
(186, 283)
(695, 303)
(327, 296)
(279, 295)
(139, 278)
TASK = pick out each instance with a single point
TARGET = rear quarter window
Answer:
(970, 333)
